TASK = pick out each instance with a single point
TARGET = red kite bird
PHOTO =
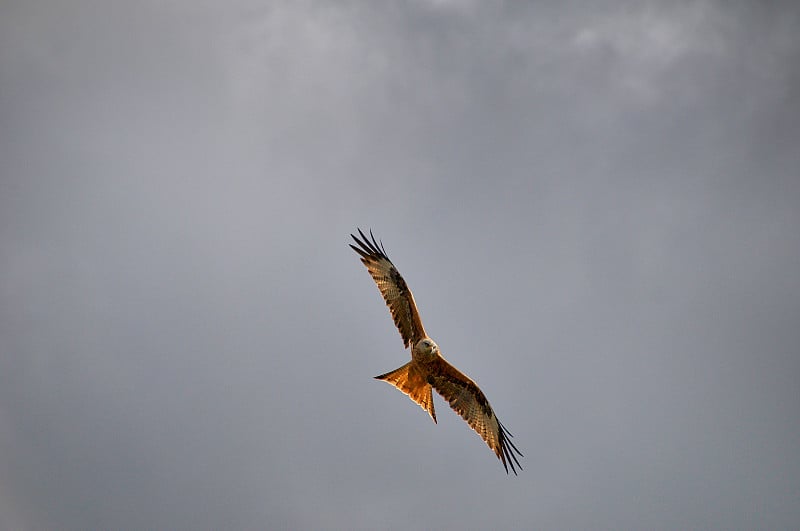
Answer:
(427, 369)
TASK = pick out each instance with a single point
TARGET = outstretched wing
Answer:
(468, 400)
(393, 288)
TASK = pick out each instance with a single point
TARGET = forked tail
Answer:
(411, 381)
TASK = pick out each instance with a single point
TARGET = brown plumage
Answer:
(427, 369)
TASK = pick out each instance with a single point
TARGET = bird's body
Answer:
(427, 369)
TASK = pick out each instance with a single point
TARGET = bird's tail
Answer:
(411, 380)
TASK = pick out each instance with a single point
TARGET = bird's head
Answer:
(426, 349)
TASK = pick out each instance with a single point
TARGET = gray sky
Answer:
(596, 205)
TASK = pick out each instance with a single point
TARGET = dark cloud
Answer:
(595, 206)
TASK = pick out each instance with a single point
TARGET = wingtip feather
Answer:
(507, 450)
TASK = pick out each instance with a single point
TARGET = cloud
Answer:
(594, 206)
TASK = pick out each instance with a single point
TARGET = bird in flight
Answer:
(427, 369)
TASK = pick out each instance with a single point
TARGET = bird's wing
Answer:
(393, 288)
(468, 400)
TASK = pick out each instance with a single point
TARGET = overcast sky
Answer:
(597, 206)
